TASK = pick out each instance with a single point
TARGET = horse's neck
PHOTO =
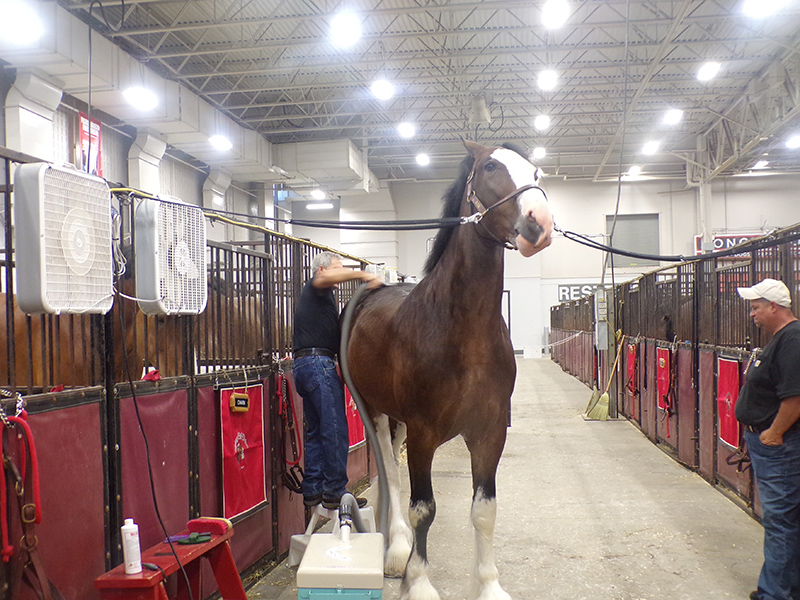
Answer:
(471, 273)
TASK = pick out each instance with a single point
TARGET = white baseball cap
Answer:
(769, 289)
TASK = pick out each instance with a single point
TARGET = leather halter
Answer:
(482, 210)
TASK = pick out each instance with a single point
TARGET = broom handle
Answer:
(614, 368)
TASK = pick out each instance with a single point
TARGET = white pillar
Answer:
(214, 189)
(30, 107)
(144, 162)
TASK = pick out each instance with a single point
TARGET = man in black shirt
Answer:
(769, 408)
(316, 343)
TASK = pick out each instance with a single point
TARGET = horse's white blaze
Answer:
(417, 585)
(532, 203)
(400, 536)
(484, 514)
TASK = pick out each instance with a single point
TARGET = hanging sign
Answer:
(91, 157)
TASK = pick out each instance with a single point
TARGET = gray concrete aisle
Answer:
(586, 511)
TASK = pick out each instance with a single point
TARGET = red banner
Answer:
(727, 394)
(631, 383)
(355, 427)
(243, 459)
(662, 377)
(91, 156)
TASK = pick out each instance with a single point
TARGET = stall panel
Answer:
(648, 390)
(686, 407)
(707, 414)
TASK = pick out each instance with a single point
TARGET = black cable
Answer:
(147, 451)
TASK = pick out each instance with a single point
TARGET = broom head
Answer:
(593, 400)
(600, 410)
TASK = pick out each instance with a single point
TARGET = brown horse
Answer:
(437, 356)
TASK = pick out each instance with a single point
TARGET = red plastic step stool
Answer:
(148, 585)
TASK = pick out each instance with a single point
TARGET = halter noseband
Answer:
(481, 209)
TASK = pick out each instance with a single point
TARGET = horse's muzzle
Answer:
(531, 236)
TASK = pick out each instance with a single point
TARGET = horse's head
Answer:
(504, 186)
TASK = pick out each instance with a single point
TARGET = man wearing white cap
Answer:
(769, 408)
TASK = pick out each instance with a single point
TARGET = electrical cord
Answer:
(147, 454)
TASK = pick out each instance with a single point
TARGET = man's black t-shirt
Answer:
(772, 378)
(316, 319)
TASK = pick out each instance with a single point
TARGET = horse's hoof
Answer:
(493, 591)
(421, 589)
(394, 564)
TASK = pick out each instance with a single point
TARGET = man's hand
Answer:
(372, 279)
(770, 438)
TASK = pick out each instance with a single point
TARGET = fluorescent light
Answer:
(539, 153)
(423, 159)
(760, 9)
(793, 142)
(634, 171)
(345, 29)
(708, 71)
(220, 142)
(141, 98)
(762, 164)
(555, 13)
(547, 79)
(651, 147)
(541, 123)
(319, 205)
(22, 23)
(318, 194)
(382, 89)
(673, 116)
(407, 130)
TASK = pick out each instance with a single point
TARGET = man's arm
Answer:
(787, 415)
(326, 278)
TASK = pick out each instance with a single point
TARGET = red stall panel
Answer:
(70, 454)
(727, 394)
(666, 421)
(165, 420)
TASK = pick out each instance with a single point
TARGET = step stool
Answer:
(299, 542)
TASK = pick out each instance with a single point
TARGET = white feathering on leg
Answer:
(399, 547)
(416, 585)
(483, 514)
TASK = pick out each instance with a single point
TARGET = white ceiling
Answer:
(271, 67)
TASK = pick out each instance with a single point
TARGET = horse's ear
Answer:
(473, 148)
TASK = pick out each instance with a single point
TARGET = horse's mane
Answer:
(452, 206)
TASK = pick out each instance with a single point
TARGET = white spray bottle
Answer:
(130, 547)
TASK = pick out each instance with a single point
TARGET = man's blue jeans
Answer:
(327, 442)
(777, 471)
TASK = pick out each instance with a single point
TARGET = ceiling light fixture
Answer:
(541, 123)
(318, 194)
(382, 89)
(673, 116)
(345, 29)
(547, 80)
(762, 164)
(555, 13)
(793, 142)
(708, 71)
(760, 9)
(319, 205)
(141, 98)
(539, 153)
(423, 160)
(22, 23)
(634, 171)
(406, 130)
(651, 147)
(220, 142)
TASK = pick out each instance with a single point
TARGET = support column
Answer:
(144, 162)
(214, 189)
(30, 107)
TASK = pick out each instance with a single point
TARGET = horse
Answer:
(437, 356)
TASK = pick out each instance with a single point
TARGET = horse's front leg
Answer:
(422, 510)
(399, 548)
(485, 451)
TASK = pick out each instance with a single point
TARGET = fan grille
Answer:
(181, 258)
(77, 242)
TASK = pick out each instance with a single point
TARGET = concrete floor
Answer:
(586, 510)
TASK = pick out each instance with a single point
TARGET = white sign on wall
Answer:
(576, 292)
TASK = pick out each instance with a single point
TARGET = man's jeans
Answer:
(777, 471)
(327, 442)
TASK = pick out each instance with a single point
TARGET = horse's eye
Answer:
(489, 167)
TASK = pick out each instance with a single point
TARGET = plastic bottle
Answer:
(130, 547)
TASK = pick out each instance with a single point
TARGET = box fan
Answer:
(63, 240)
(170, 246)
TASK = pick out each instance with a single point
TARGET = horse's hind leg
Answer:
(485, 451)
(399, 532)
(421, 511)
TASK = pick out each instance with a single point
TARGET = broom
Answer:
(599, 412)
